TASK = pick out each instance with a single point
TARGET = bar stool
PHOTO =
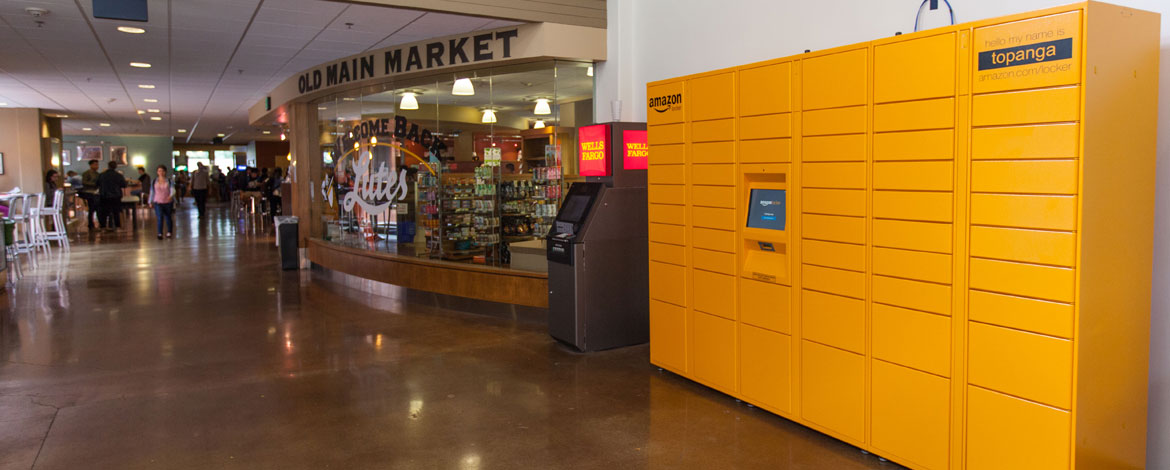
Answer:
(36, 223)
(10, 253)
(20, 212)
(58, 234)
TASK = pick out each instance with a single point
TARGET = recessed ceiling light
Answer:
(104, 124)
(3, 104)
(182, 131)
(152, 110)
(62, 116)
(267, 132)
(141, 65)
(156, 118)
(87, 128)
(145, 86)
(220, 134)
(150, 100)
(348, 99)
(321, 108)
(131, 30)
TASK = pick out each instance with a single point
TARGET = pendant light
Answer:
(408, 101)
(542, 107)
(489, 116)
(539, 124)
(463, 87)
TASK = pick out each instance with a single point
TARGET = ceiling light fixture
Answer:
(542, 107)
(62, 116)
(589, 72)
(266, 132)
(131, 30)
(87, 128)
(348, 99)
(182, 131)
(141, 111)
(539, 124)
(145, 86)
(221, 134)
(141, 65)
(3, 104)
(152, 110)
(150, 100)
(156, 118)
(489, 116)
(104, 124)
(282, 136)
(463, 87)
(408, 101)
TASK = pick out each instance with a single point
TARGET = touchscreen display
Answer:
(768, 209)
(574, 208)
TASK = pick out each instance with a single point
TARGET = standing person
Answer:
(89, 191)
(143, 186)
(162, 198)
(110, 184)
(51, 185)
(199, 184)
(274, 192)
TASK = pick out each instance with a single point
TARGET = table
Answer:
(132, 203)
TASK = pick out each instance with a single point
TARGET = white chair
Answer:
(58, 233)
(20, 211)
(12, 257)
(36, 223)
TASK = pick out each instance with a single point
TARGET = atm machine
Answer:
(597, 249)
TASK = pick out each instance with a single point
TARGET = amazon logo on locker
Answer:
(665, 103)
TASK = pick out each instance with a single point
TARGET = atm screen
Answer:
(574, 208)
(768, 209)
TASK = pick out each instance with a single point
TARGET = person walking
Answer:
(199, 184)
(89, 191)
(162, 198)
(110, 184)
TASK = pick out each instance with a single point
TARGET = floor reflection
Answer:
(197, 352)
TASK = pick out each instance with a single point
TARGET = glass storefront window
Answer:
(461, 167)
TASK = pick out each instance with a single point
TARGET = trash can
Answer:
(286, 240)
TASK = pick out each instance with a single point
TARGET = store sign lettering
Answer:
(469, 49)
(369, 188)
(637, 150)
(594, 155)
(402, 129)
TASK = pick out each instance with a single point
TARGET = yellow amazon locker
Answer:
(935, 247)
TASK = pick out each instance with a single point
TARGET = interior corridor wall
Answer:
(651, 40)
(155, 150)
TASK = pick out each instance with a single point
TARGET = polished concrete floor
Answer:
(130, 352)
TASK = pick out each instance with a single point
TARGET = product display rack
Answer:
(457, 216)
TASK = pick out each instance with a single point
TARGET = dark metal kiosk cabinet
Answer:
(597, 252)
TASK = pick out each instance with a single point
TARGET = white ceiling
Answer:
(211, 59)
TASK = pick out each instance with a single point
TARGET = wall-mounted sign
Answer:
(594, 150)
(535, 41)
(635, 150)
